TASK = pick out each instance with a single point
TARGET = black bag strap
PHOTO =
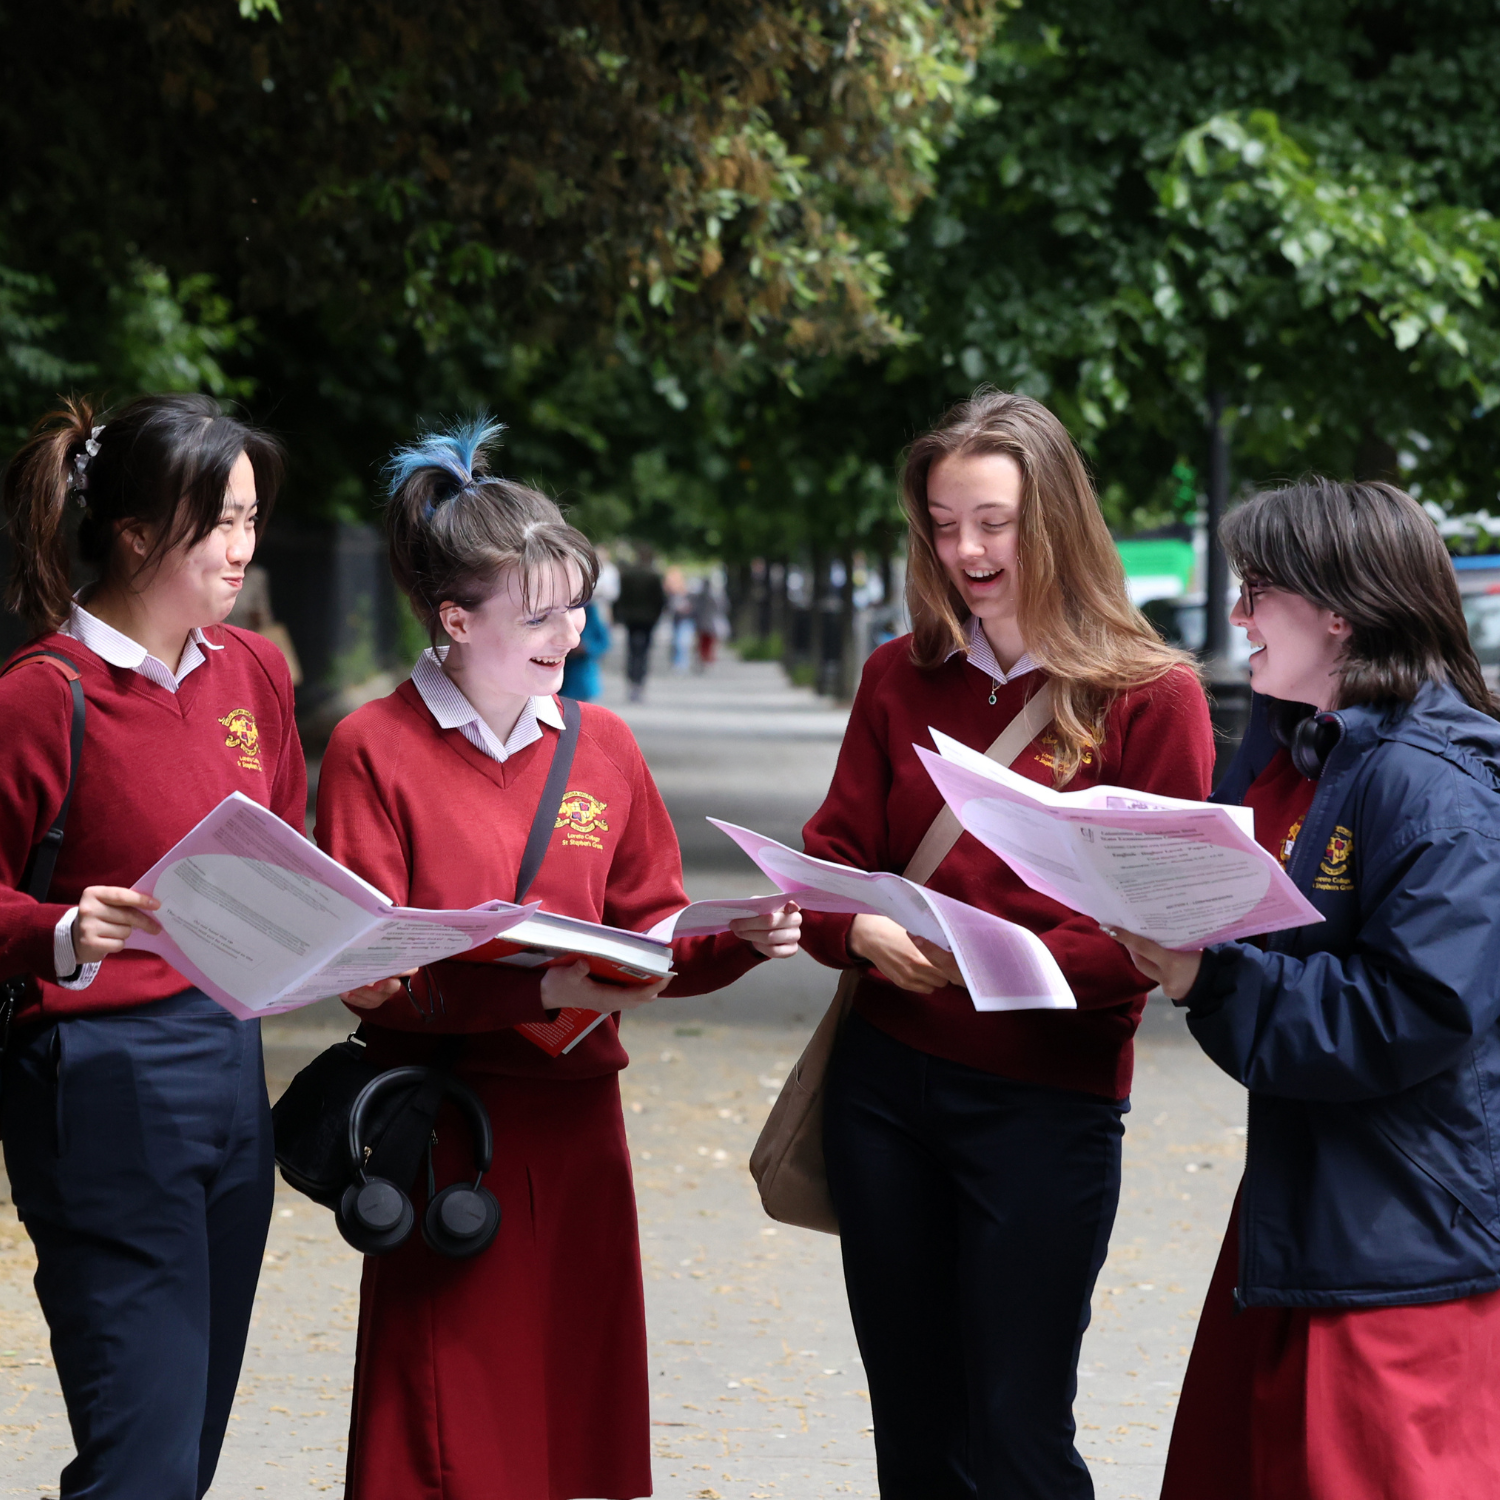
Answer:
(36, 881)
(553, 791)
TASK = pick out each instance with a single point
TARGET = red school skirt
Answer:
(1378, 1403)
(519, 1374)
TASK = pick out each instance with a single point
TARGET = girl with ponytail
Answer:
(136, 1125)
(519, 1373)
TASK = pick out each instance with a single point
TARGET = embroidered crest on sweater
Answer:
(1333, 871)
(1047, 755)
(244, 736)
(581, 815)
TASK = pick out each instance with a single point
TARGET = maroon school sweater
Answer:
(153, 764)
(419, 812)
(1156, 738)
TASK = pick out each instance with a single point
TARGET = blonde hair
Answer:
(1074, 612)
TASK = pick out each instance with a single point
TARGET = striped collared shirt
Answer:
(119, 650)
(982, 655)
(447, 704)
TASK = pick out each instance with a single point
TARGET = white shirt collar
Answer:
(982, 655)
(119, 650)
(447, 704)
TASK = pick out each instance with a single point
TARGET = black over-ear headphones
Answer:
(375, 1215)
(1312, 743)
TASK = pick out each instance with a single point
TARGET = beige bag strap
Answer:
(1034, 717)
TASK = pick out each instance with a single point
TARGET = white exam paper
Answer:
(1185, 874)
(264, 921)
(1005, 966)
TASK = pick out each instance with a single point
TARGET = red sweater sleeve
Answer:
(849, 828)
(355, 826)
(36, 708)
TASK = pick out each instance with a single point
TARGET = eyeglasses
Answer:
(1250, 590)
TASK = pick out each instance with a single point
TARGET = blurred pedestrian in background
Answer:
(252, 611)
(638, 607)
(710, 622)
(680, 613)
(136, 1123)
(582, 677)
(974, 1159)
(1350, 1340)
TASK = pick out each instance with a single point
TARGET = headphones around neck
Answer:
(1312, 743)
(375, 1216)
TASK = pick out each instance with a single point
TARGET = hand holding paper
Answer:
(1004, 966)
(1185, 874)
(264, 921)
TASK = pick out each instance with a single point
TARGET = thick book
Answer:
(544, 940)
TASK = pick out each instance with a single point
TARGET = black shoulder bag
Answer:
(36, 878)
(311, 1119)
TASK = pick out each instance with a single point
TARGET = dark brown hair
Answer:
(453, 527)
(1371, 554)
(1074, 612)
(161, 461)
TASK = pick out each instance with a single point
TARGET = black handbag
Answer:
(36, 879)
(311, 1119)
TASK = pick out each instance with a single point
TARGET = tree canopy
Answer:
(716, 263)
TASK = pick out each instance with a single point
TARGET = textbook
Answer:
(544, 940)
(1005, 966)
(1185, 874)
(259, 918)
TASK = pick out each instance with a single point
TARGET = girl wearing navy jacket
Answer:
(137, 1130)
(1350, 1339)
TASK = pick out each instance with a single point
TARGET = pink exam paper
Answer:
(263, 921)
(1005, 966)
(1184, 876)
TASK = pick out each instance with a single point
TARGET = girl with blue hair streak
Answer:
(518, 1373)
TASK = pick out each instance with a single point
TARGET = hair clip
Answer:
(78, 480)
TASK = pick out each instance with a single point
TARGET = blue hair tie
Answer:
(454, 452)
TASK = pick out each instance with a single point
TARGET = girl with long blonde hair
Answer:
(974, 1159)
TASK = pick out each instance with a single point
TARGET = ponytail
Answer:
(452, 526)
(38, 484)
(160, 462)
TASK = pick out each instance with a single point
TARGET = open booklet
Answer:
(264, 921)
(1185, 874)
(1005, 966)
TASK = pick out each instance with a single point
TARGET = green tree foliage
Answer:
(423, 206)
(1284, 200)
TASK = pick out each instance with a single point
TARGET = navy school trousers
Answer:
(139, 1150)
(974, 1215)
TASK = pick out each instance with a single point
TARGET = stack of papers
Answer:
(1185, 874)
(264, 921)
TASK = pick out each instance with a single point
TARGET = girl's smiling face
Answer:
(974, 503)
(514, 649)
(1298, 646)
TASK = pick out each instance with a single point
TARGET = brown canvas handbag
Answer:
(787, 1162)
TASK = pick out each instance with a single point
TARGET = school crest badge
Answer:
(1289, 843)
(244, 736)
(1333, 870)
(583, 818)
